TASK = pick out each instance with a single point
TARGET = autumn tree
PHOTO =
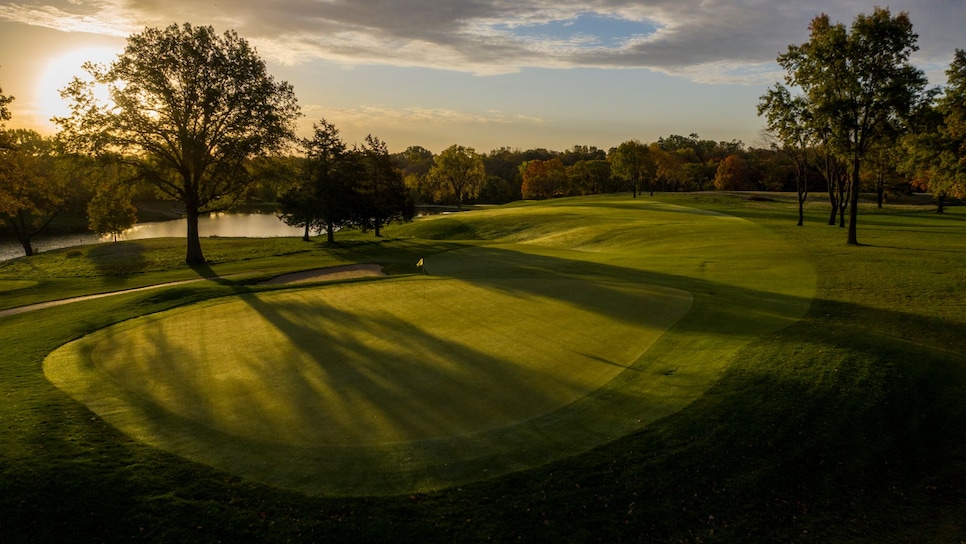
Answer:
(632, 162)
(859, 83)
(458, 171)
(543, 179)
(935, 153)
(187, 109)
(31, 194)
(732, 174)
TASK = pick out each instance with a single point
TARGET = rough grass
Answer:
(847, 426)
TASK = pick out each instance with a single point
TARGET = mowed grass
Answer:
(848, 425)
(507, 350)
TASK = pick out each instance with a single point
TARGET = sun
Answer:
(60, 71)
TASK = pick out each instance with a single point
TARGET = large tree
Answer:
(187, 109)
(789, 121)
(935, 153)
(381, 196)
(458, 171)
(4, 117)
(31, 192)
(858, 82)
(632, 162)
(324, 198)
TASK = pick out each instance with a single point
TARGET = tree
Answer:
(859, 83)
(543, 178)
(632, 162)
(4, 117)
(111, 211)
(31, 194)
(789, 121)
(459, 171)
(732, 174)
(324, 197)
(590, 177)
(187, 109)
(935, 153)
(382, 197)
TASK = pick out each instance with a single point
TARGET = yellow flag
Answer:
(420, 263)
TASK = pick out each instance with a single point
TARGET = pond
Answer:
(244, 225)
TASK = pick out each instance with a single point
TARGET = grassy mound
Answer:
(552, 330)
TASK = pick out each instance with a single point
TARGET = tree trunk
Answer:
(329, 232)
(880, 190)
(801, 208)
(378, 223)
(194, 254)
(833, 202)
(854, 205)
(940, 203)
(305, 235)
(28, 248)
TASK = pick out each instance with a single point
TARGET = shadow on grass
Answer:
(117, 258)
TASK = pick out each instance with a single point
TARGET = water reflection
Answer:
(244, 225)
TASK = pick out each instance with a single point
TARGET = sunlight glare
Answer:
(61, 70)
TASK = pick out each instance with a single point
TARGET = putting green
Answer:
(506, 356)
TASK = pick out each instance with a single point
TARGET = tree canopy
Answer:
(31, 192)
(935, 153)
(459, 171)
(187, 109)
(858, 84)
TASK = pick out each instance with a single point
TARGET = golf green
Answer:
(504, 356)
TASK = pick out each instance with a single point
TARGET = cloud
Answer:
(390, 116)
(701, 40)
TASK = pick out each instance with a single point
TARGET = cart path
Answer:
(319, 274)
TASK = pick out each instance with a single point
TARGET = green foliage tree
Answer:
(4, 117)
(187, 109)
(789, 121)
(111, 210)
(31, 194)
(590, 177)
(935, 153)
(381, 194)
(324, 197)
(632, 162)
(858, 82)
(458, 171)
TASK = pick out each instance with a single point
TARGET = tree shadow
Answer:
(118, 258)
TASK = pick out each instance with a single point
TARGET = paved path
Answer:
(42, 305)
(319, 274)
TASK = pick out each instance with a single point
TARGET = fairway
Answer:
(556, 329)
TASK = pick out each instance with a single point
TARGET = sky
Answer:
(480, 73)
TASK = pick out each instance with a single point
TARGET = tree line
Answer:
(195, 117)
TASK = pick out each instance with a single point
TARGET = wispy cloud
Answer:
(702, 40)
(389, 116)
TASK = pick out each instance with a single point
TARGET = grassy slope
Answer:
(848, 426)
